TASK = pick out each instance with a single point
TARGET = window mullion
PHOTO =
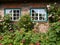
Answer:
(12, 15)
(34, 15)
(19, 14)
(38, 15)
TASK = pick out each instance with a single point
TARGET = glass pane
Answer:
(43, 18)
(36, 18)
(17, 17)
(11, 18)
(36, 14)
(35, 10)
(17, 14)
(14, 11)
(40, 18)
(17, 11)
(42, 11)
(32, 14)
(14, 14)
(40, 15)
(43, 15)
(14, 18)
(32, 18)
(8, 11)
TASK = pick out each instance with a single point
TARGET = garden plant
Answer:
(22, 32)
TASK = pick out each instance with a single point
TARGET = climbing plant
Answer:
(54, 13)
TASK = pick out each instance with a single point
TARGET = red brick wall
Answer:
(25, 8)
(18, 5)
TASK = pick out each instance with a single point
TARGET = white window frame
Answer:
(13, 13)
(46, 17)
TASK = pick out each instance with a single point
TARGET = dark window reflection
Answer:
(14, 11)
(32, 18)
(32, 14)
(14, 14)
(40, 18)
(17, 11)
(36, 18)
(17, 17)
(11, 18)
(43, 18)
(40, 14)
(36, 14)
(33, 11)
(14, 18)
(17, 14)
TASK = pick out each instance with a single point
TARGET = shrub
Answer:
(25, 22)
(6, 24)
(54, 13)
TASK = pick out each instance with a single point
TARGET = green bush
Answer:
(54, 13)
(6, 24)
(54, 30)
(56, 27)
(25, 38)
(25, 22)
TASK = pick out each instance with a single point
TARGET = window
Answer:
(39, 14)
(14, 14)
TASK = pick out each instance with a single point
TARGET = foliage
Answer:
(6, 24)
(25, 22)
(55, 23)
(56, 28)
(54, 13)
(26, 38)
(21, 37)
(0, 17)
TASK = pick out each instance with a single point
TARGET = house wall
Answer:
(25, 9)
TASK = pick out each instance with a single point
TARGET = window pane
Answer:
(35, 11)
(43, 18)
(17, 11)
(32, 18)
(40, 15)
(8, 11)
(17, 17)
(32, 14)
(36, 14)
(17, 14)
(14, 11)
(43, 14)
(40, 18)
(14, 14)
(36, 18)
(14, 18)
(11, 18)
